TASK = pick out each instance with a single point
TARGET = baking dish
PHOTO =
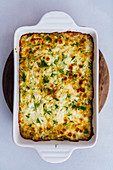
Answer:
(54, 151)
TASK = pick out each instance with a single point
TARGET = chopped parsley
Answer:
(30, 125)
(56, 61)
(45, 80)
(73, 58)
(56, 40)
(23, 77)
(33, 96)
(28, 87)
(53, 74)
(52, 53)
(89, 65)
(24, 91)
(48, 38)
(61, 71)
(69, 114)
(31, 52)
(38, 121)
(54, 121)
(68, 95)
(56, 106)
(74, 79)
(78, 107)
(75, 62)
(56, 99)
(69, 71)
(86, 131)
(82, 51)
(43, 64)
(65, 123)
(28, 115)
(63, 56)
(48, 112)
(41, 138)
(76, 44)
(66, 107)
(36, 105)
(67, 38)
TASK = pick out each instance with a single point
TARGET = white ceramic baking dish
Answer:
(54, 151)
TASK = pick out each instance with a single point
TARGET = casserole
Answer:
(54, 151)
(56, 86)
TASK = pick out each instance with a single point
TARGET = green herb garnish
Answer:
(45, 79)
(56, 41)
(56, 61)
(36, 105)
(53, 74)
(65, 123)
(33, 96)
(30, 52)
(24, 91)
(38, 121)
(48, 38)
(89, 65)
(28, 87)
(73, 58)
(28, 115)
(78, 107)
(66, 107)
(68, 95)
(30, 125)
(82, 66)
(69, 114)
(74, 79)
(54, 121)
(42, 138)
(23, 77)
(82, 51)
(48, 112)
(43, 64)
(64, 56)
(61, 71)
(56, 106)
(69, 71)
(56, 99)
(76, 44)
(86, 131)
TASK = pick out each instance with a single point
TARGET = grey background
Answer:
(97, 14)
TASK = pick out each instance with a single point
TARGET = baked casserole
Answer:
(56, 86)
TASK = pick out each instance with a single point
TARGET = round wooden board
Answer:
(8, 81)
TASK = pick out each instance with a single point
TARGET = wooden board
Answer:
(103, 80)
(8, 81)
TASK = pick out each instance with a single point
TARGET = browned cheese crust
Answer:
(56, 86)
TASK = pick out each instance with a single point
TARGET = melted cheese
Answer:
(56, 86)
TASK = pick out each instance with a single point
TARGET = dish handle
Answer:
(56, 19)
(54, 154)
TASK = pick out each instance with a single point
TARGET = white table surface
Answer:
(94, 13)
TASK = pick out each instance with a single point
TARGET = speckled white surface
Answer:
(96, 14)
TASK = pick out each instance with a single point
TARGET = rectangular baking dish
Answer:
(55, 151)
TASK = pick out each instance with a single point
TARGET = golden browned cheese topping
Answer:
(56, 86)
